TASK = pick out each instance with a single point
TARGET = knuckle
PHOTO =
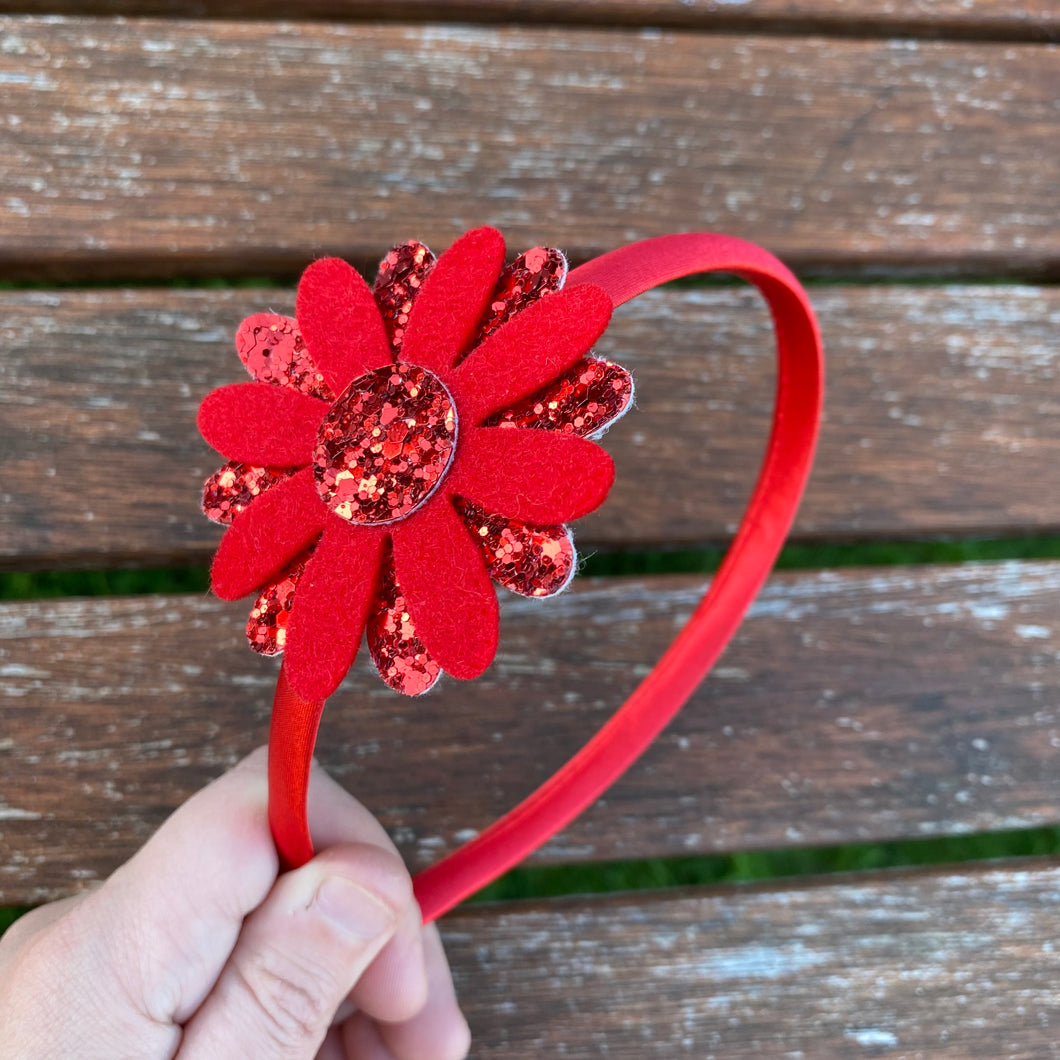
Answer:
(294, 1001)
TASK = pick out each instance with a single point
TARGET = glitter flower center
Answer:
(385, 445)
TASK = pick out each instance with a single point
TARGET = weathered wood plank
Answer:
(983, 19)
(138, 147)
(852, 707)
(951, 965)
(942, 406)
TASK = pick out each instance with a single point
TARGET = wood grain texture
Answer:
(852, 707)
(941, 417)
(947, 965)
(134, 148)
(981, 19)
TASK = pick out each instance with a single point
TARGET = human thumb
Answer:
(299, 955)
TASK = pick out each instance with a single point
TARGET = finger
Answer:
(438, 1031)
(362, 1040)
(299, 955)
(126, 964)
(333, 1049)
(175, 910)
(395, 987)
(335, 816)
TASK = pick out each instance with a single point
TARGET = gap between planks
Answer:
(989, 20)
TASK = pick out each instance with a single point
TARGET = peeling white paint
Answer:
(873, 1038)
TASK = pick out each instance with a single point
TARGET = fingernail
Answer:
(353, 908)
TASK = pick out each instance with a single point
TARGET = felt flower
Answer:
(400, 446)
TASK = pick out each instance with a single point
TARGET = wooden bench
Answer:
(856, 705)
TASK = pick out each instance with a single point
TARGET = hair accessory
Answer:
(402, 445)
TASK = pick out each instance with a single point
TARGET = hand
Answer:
(196, 949)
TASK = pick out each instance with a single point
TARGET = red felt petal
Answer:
(531, 350)
(399, 655)
(447, 311)
(341, 323)
(331, 608)
(273, 350)
(255, 423)
(447, 591)
(264, 539)
(537, 477)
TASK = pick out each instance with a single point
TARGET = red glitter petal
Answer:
(398, 654)
(230, 489)
(532, 275)
(527, 560)
(584, 401)
(267, 625)
(400, 277)
(385, 445)
(273, 350)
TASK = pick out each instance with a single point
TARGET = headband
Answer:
(403, 444)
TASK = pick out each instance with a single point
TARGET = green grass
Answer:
(39, 585)
(33, 585)
(756, 866)
(9, 915)
(811, 557)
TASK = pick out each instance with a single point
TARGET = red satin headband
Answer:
(444, 420)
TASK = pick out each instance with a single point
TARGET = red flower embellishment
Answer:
(401, 446)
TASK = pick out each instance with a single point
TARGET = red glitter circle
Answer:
(385, 445)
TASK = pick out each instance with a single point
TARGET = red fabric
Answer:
(292, 737)
(538, 477)
(531, 350)
(340, 322)
(279, 525)
(447, 311)
(448, 592)
(261, 424)
(623, 274)
(331, 607)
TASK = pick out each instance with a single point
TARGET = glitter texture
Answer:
(535, 273)
(584, 401)
(273, 350)
(267, 625)
(385, 445)
(398, 654)
(527, 560)
(401, 274)
(229, 490)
